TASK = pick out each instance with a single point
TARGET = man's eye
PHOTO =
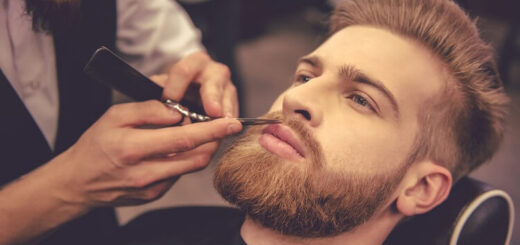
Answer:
(303, 78)
(361, 102)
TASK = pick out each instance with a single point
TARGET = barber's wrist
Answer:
(63, 184)
(35, 204)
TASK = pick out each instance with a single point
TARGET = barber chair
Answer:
(474, 214)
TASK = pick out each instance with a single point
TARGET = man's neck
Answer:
(374, 232)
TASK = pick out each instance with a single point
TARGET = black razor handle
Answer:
(109, 69)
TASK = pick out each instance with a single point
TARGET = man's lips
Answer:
(279, 139)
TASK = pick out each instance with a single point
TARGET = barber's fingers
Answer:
(182, 138)
(134, 194)
(214, 80)
(183, 73)
(153, 191)
(230, 102)
(164, 170)
(150, 112)
(151, 178)
(207, 149)
(159, 79)
(158, 169)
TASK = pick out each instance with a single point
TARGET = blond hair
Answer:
(464, 130)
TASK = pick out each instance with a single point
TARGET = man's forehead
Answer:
(409, 70)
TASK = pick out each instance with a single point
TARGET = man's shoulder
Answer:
(185, 225)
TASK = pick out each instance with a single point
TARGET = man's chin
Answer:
(274, 192)
(297, 199)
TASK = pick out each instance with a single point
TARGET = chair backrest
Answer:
(475, 213)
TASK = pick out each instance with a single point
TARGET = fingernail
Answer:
(216, 105)
(228, 114)
(234, 128)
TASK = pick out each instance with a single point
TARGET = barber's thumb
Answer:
(234, 127)
(219, 128)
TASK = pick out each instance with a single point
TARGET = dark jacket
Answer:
(82, 102)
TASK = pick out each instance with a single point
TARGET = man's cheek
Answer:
(278, 103)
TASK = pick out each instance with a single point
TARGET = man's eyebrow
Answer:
(311, 60)
(351, 73)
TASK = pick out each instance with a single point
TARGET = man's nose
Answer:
(301, 103)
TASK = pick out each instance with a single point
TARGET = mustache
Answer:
(304, 133)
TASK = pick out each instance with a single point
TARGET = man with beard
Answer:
(400, 102)
(59, 188)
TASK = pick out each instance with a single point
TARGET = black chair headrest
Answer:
(474, 213)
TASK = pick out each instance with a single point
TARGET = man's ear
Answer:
(425, 186)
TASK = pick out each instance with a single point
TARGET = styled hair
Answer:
(462, 127)
(49, 16)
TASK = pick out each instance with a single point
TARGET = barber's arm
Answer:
(117, 161)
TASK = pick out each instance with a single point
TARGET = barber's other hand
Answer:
(118, 162)
(218, 94)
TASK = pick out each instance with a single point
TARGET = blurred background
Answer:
(261, 41)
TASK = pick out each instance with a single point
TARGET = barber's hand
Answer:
(117, 161)
(218, 94)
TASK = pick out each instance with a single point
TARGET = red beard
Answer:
(304, 200)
